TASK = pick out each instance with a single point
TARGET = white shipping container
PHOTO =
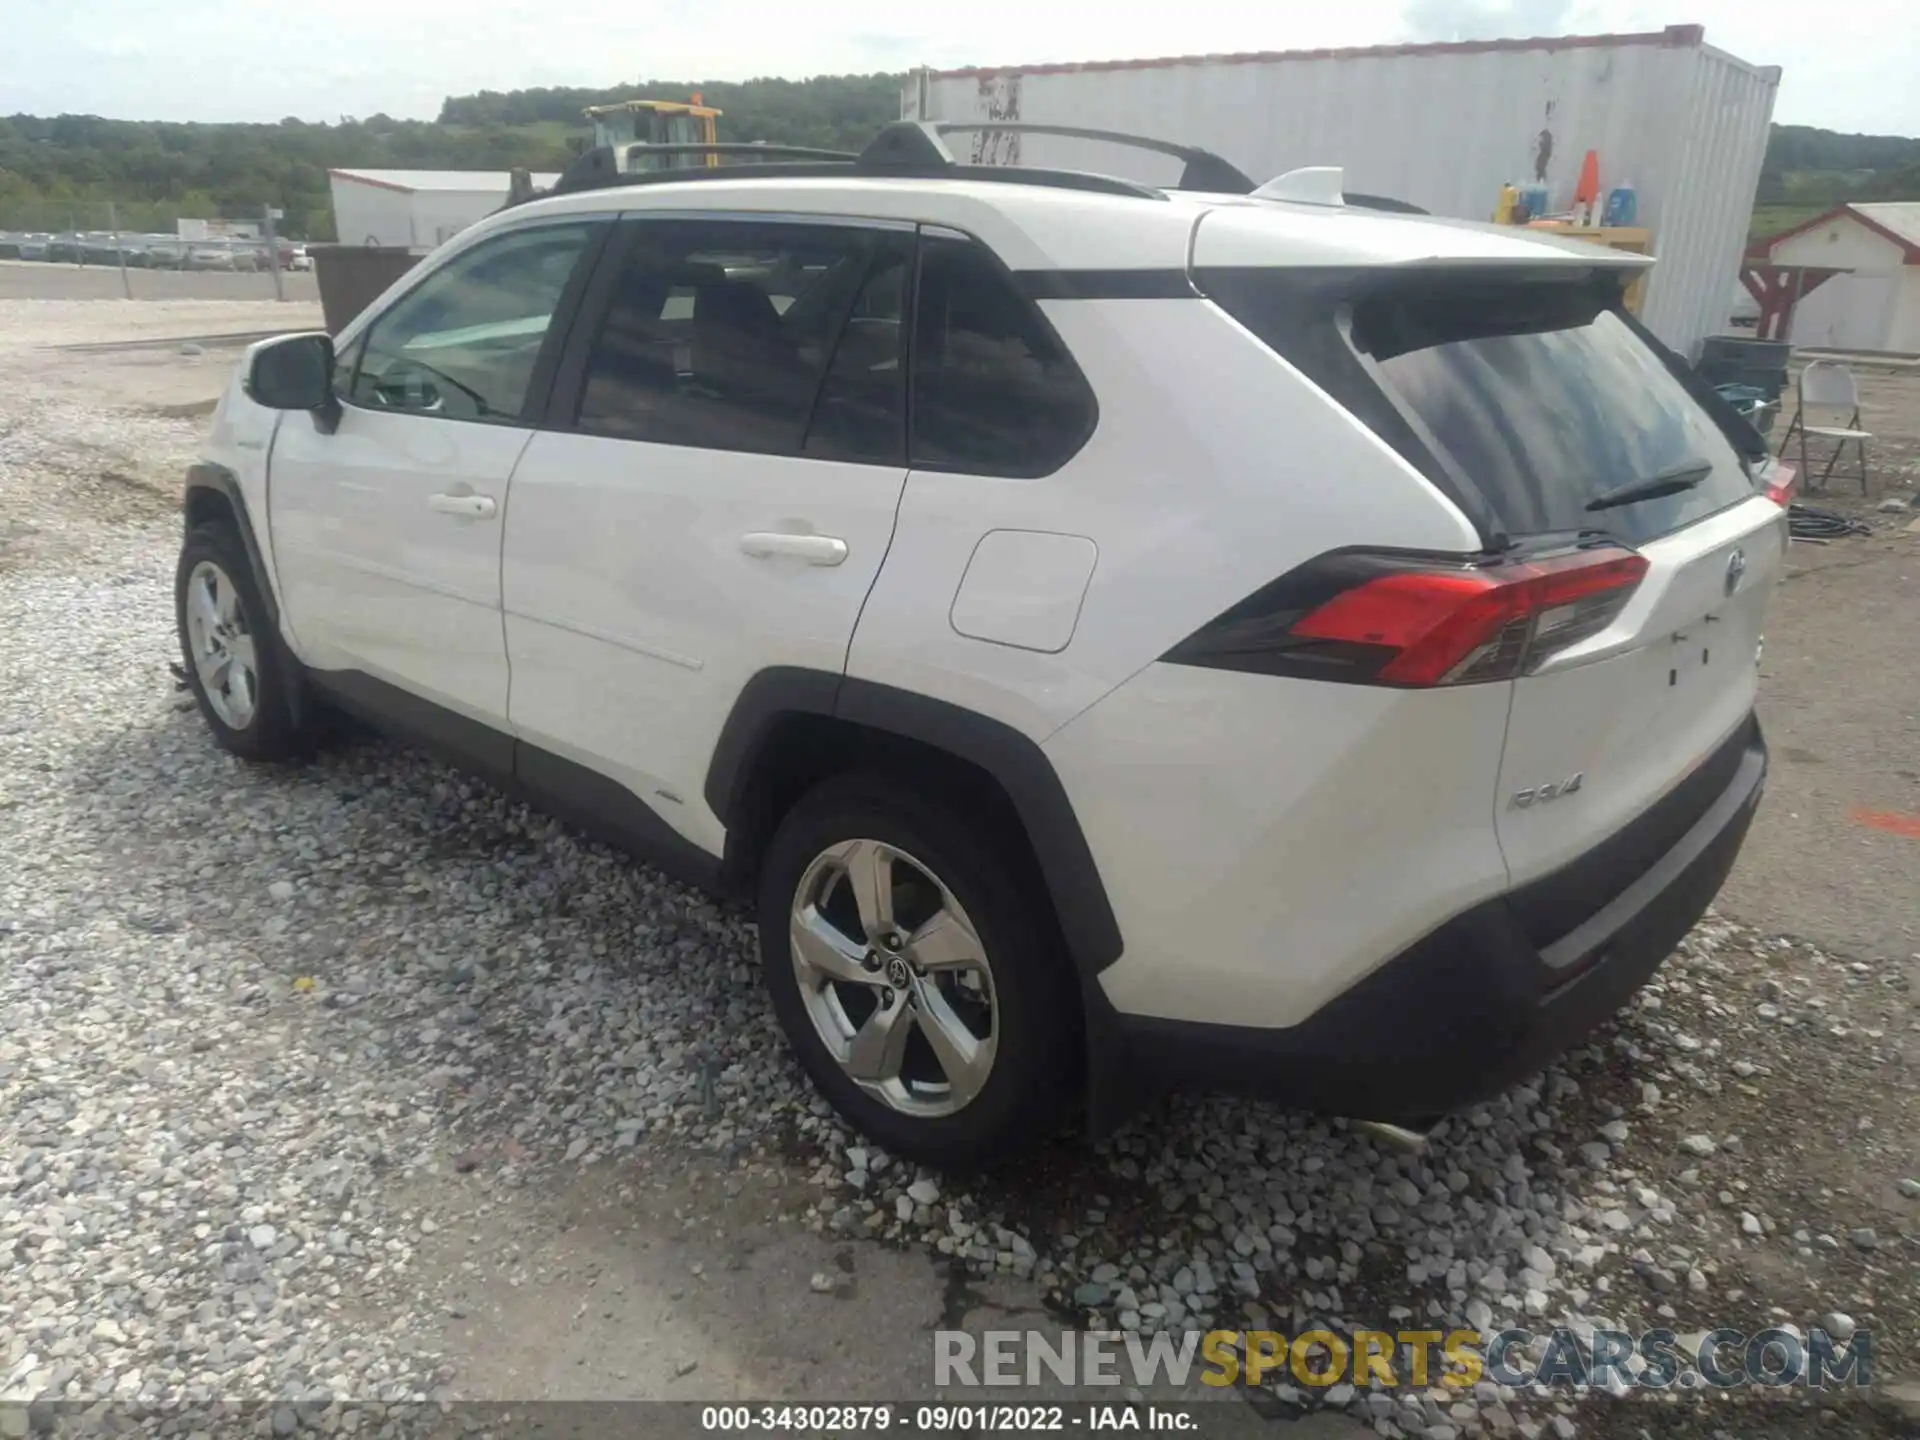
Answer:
(1442, 126)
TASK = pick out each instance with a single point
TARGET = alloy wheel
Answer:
(222, 645)
(894, 978)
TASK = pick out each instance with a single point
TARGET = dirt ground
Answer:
(620, 1279)
(1835, 856)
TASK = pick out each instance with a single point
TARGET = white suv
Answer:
(1113, 635)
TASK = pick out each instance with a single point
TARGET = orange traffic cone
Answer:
(1586, 195)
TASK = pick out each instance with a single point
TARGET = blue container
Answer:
(1534, 197)
(1622, 208)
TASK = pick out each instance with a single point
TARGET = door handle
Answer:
(814, 549)
(472, 507)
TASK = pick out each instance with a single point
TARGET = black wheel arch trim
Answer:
(1040, 801)
(208, 477)
(205, 476)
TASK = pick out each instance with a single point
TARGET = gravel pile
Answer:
(240, 1008)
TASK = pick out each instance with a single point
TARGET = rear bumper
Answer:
(1477, 1005)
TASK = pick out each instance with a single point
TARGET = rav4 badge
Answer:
(1552, 790)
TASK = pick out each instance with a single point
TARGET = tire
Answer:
(252, 709)
(942, 864)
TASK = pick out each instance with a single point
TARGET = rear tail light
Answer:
(1414, 621)
(1780, 482)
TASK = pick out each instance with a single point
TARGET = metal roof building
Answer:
(416, 209)
(1855, 276)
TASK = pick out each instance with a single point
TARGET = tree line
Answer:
(836, 112)
(57, 173)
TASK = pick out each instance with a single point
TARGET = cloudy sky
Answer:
(264, 59)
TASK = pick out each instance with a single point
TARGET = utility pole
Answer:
(273, 253)
(113, 224)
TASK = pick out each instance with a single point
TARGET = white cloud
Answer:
(1489, 19)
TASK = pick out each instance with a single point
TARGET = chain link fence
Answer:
(139, 250)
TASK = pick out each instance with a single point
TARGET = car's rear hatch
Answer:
(1519, 386)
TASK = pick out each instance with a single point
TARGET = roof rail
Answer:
(901, 149)
(736, 147)
(1385, 202)
(599, 168)
(917, 144)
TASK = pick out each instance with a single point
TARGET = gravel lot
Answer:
(298, 1068)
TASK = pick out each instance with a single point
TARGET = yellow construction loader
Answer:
(657, 122)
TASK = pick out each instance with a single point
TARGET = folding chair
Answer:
(1827, 386)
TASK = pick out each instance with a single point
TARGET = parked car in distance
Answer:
(107, 250)
(1256, 666)
(33, 245)
(165, 252)
(299, 259)
(209, 255)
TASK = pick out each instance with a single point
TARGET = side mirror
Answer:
(295, 373)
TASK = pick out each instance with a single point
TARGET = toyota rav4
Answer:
(1112, 635)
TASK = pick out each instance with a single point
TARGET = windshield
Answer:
(1528, 399)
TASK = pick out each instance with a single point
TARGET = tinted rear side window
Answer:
(717, 333)
(1530, 400)
(994, 390)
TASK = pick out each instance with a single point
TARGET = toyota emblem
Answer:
(1736, 567)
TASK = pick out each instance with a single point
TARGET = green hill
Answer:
(1808, 171)
(59, 173)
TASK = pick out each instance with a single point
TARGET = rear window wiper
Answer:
(1668, 482)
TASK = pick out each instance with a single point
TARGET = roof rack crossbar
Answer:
(1203, 170)
(737, 147)
(598, 169)
(908, 149)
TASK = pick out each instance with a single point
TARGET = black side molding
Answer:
(609, 811)
(1020, 767)
(467, 744)
(203, 478)
(569, 791)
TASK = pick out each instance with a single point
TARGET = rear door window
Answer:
(717, 333)
(1534, 398)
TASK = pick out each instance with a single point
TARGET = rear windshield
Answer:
(1536, 404)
